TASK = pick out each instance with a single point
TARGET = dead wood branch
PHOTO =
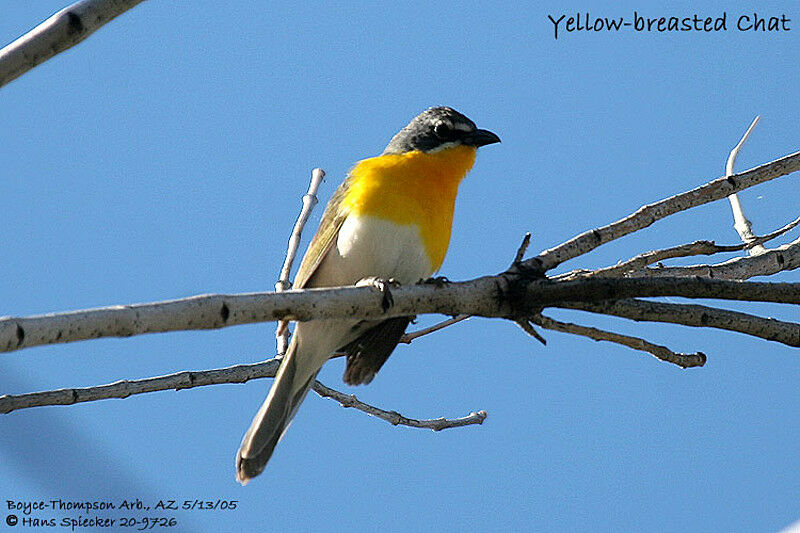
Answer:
(61, 31)
(683, 360)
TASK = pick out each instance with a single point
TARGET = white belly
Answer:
(366, 247)
(383, 249)
(370, 246)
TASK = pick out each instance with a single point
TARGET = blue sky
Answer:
(166, 156)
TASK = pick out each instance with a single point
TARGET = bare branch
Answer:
(231, 374)
(690, 315)
(125, 388)
(694, 315)
(408, 337)
(742, 226)
(548, 293)
(61, 31)
(777, 233)
(663, 353)
(774, 260)
(502, 296)
(309, 201)
(530, 330)
(636, 264)
(648, 214)
(523, 247)
(395, 418)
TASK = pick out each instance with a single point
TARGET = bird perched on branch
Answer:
(389, 220)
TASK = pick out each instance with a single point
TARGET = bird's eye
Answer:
(442, 130)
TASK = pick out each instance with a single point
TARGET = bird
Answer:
(389, 220)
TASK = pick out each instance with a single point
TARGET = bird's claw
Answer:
(439, 281)
(383, 285)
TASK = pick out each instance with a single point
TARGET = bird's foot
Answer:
(439, 281)
(383, 285)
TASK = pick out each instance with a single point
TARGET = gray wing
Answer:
(329, 226)
(366, 354)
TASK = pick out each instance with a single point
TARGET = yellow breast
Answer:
(413, 188)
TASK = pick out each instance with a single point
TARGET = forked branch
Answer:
(199, 378)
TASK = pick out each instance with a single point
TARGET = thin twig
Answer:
(395, 418)
(747, 267)
(125, 388)
(684, 360)
(231, 374)
(408, 337)
(648, 214)
(639, 262)
(530, 330)
(777, 233)
(741, 224)
(309, 201)
(694, 315)
(61, 31)
(635, 264)
(774, 260)
(523, 247)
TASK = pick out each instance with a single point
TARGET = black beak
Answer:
(480, 138)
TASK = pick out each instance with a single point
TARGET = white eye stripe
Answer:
(460, 126)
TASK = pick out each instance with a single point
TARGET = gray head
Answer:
(437, 128)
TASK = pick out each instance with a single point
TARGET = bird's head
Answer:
(436, 129)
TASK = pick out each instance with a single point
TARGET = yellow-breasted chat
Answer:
(390, 219)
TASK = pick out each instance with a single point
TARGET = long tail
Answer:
(288, 391)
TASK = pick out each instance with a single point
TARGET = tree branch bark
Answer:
(637, 264)
(648, 214)
(233, 374)
(683, 360)
(699, 316)
(501, 296)
(782, 258)
(61, 31)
